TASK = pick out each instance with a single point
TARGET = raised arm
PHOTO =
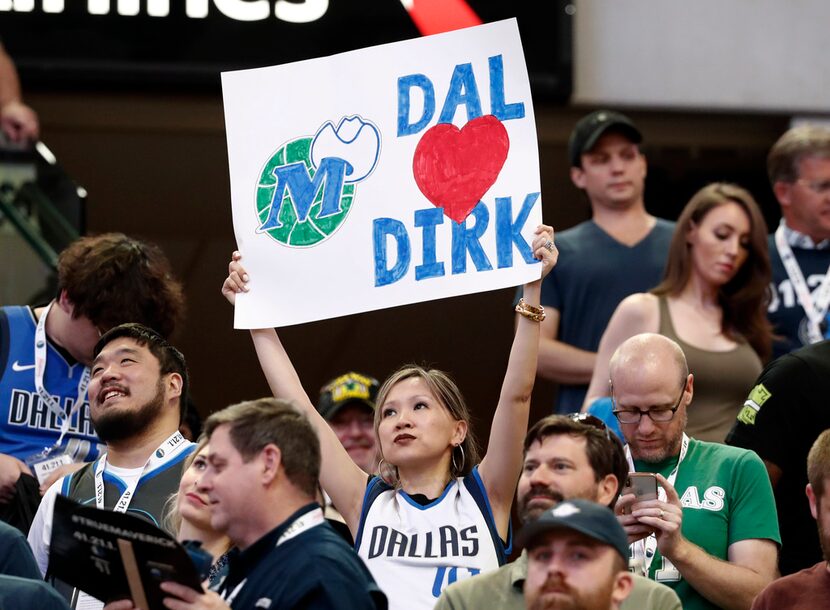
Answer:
(635, 314)
(342, 479)
(501, 465)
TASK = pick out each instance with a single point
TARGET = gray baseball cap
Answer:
(583, 516)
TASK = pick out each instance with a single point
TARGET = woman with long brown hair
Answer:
(712, 301)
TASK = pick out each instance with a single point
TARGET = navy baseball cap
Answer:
(351, 388)
(591, 127)
(583, 516)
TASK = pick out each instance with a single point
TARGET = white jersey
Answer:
(415, 551)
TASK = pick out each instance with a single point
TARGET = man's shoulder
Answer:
(718, 452)
(322, 546)
(647, 593)
(574, 237)
(664, 227)
(795, 590)
(499, 588)
(17, 592)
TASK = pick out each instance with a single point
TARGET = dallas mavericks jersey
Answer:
(27, 425)
(415, 551)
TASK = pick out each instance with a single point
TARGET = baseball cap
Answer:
(351, 388)
(583, 516)
(591, 127)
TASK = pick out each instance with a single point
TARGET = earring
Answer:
(457, 470)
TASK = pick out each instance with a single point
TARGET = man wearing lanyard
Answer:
(726, 551)
(261, 478)
(798, 166)
(45, 423)
(137, 389)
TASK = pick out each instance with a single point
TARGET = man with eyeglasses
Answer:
(712, 534)
(798, 166)
(567, 457)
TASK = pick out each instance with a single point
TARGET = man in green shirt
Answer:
(712, 534)
(566, 457)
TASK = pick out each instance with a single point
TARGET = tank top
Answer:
(722, 382)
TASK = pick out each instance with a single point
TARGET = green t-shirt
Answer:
(726, 497)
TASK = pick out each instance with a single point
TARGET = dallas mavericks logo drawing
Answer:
(307, 187)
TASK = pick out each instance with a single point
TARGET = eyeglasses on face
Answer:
(659, 415)
(819, 187)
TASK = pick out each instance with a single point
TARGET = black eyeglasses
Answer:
(590, 420)
(658, 416)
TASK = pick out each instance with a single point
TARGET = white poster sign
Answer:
(384, 176)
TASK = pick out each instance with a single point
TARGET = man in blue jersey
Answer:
(137, 391)
(798, 166)
(620, 251)
(45, 423)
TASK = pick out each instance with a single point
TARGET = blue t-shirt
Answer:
(594, 273)
(27, 425)
(785, 313)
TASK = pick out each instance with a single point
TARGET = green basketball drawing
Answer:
(293, 232)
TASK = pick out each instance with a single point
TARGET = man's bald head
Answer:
(649, 352)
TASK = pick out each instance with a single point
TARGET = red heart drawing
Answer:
(455, 167)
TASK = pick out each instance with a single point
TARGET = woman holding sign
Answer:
(444, 516)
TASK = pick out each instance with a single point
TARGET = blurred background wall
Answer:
(711, 85)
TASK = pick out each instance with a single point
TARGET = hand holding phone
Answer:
(644, 487)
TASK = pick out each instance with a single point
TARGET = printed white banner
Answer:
(384, 176)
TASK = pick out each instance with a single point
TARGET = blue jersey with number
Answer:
(415, 551)
(27, 425)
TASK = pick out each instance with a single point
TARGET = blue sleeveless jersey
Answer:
(26, 425)
(414, 552)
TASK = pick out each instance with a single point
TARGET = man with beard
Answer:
(137, 392)
(809, 588)
(577, 558)
(566, 457)
(712, 534)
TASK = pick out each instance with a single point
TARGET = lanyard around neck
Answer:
(646, 549)
(814, 309)
(40, 371)
(311, 519)
(168, 450)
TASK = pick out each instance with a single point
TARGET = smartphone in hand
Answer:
(643, 485)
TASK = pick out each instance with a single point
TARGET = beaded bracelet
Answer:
(531, 312)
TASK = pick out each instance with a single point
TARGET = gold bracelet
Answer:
(531, 308)
(531, 312)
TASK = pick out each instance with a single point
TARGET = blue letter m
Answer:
(303, 190)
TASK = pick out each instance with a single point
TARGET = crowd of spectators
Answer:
(707, 385)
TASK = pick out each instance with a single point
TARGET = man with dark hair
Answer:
(261, 479)
(781, 418)
(566, 457)
(103, 281)
(620, 251)
(577, 557)
(798, 166)
(809, 588)
(136, 392)
(712, 533)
